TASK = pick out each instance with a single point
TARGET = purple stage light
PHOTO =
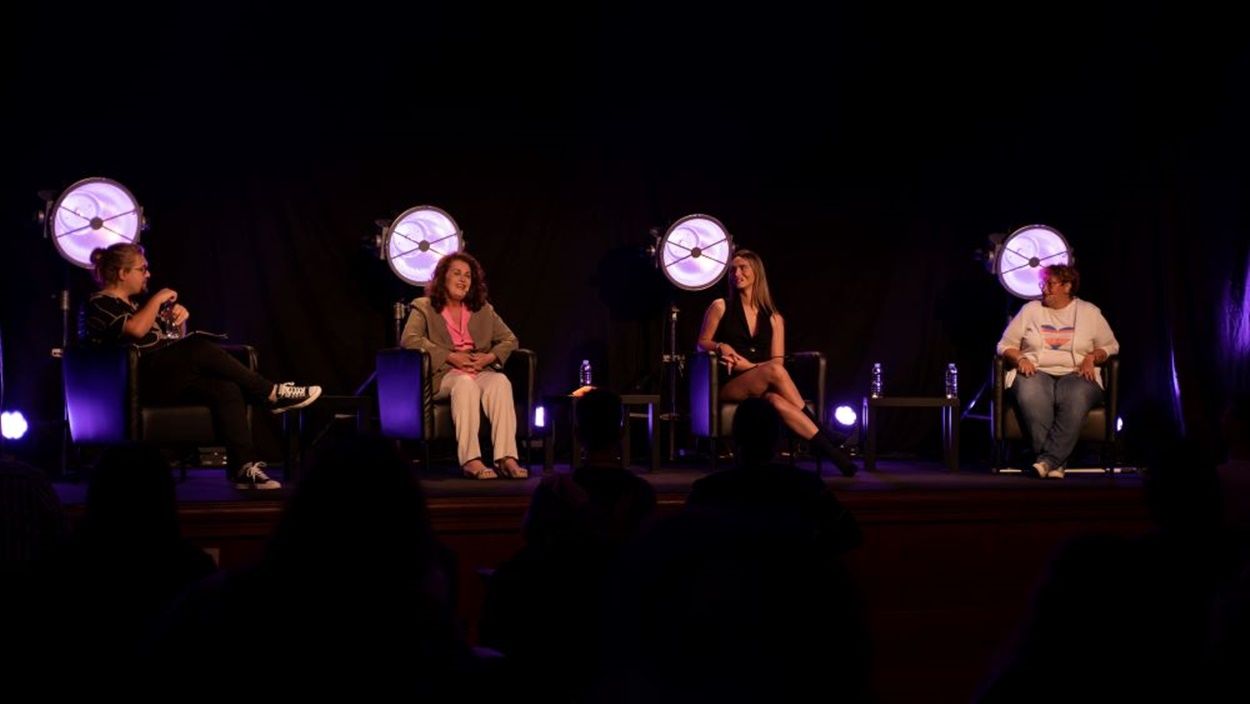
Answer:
(95, 212)
(695, 252)
(13, 425)
(418, 239)
(1023, 255)
(845, 415)
(540, 417)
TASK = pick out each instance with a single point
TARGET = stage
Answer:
(948, 564)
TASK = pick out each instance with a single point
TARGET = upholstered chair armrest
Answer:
(522, 371)
(405, 393)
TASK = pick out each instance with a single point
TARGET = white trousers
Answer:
(489, 391)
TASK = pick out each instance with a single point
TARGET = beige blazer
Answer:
(426, 330)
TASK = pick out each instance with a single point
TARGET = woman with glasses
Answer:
(176, 369)
(1055, 346)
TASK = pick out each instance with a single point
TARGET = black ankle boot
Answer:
(822, 445)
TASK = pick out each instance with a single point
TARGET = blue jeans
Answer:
(1052, 409)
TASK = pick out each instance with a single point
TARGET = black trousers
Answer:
(197, 370)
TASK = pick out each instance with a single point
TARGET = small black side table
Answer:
(950, 424)
(636, 407)
(304, 427)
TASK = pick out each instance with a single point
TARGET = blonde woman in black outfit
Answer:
(748, 334)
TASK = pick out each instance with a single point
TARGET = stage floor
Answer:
(209, 485)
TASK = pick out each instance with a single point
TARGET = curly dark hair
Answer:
(475, 299)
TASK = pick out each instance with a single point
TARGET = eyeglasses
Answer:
(1047, 282)
(143, 268)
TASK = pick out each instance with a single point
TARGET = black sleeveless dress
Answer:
(734, 331)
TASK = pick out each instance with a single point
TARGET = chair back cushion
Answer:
(402, 393)
(97, 393)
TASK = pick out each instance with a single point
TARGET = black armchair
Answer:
(713, 419)
(407, 408)
(1099, 426)
(103, 405)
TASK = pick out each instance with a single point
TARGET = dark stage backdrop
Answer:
(865, 153)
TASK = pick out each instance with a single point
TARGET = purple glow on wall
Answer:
(418, 239)
(95, 212)
(1237, 319)
(695, 252)
(1024, 254)
(1177, 411)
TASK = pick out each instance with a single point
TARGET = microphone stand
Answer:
(674, 366)
(399, 311)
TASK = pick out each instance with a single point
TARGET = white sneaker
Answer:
(288, 396)
(252, 476)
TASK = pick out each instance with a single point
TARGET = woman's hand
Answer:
(461, 360)
(179, 314)
(731, 359)
(164, 296)
(1087, 370)
(481, 360)
(1026, 366)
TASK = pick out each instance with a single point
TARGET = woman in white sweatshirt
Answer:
(1055, 345)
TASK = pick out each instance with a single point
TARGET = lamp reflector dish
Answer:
(1022, 256)
(417, 239)
(695, 252)
(95, 212)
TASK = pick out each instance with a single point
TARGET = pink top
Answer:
(460, 339)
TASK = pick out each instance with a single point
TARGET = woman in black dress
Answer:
(748, 334)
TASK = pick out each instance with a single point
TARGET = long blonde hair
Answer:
(759, 290)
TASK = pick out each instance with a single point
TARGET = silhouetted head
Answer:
(359, 510)
(1180, 482)
(131, 497)
(599, 417)
(756, 432)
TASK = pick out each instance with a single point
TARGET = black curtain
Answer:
(865, 155)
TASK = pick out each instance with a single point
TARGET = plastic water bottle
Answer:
(952, 381)
(583, 376)
(875, 387)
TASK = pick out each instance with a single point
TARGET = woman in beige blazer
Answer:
(468, 344)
